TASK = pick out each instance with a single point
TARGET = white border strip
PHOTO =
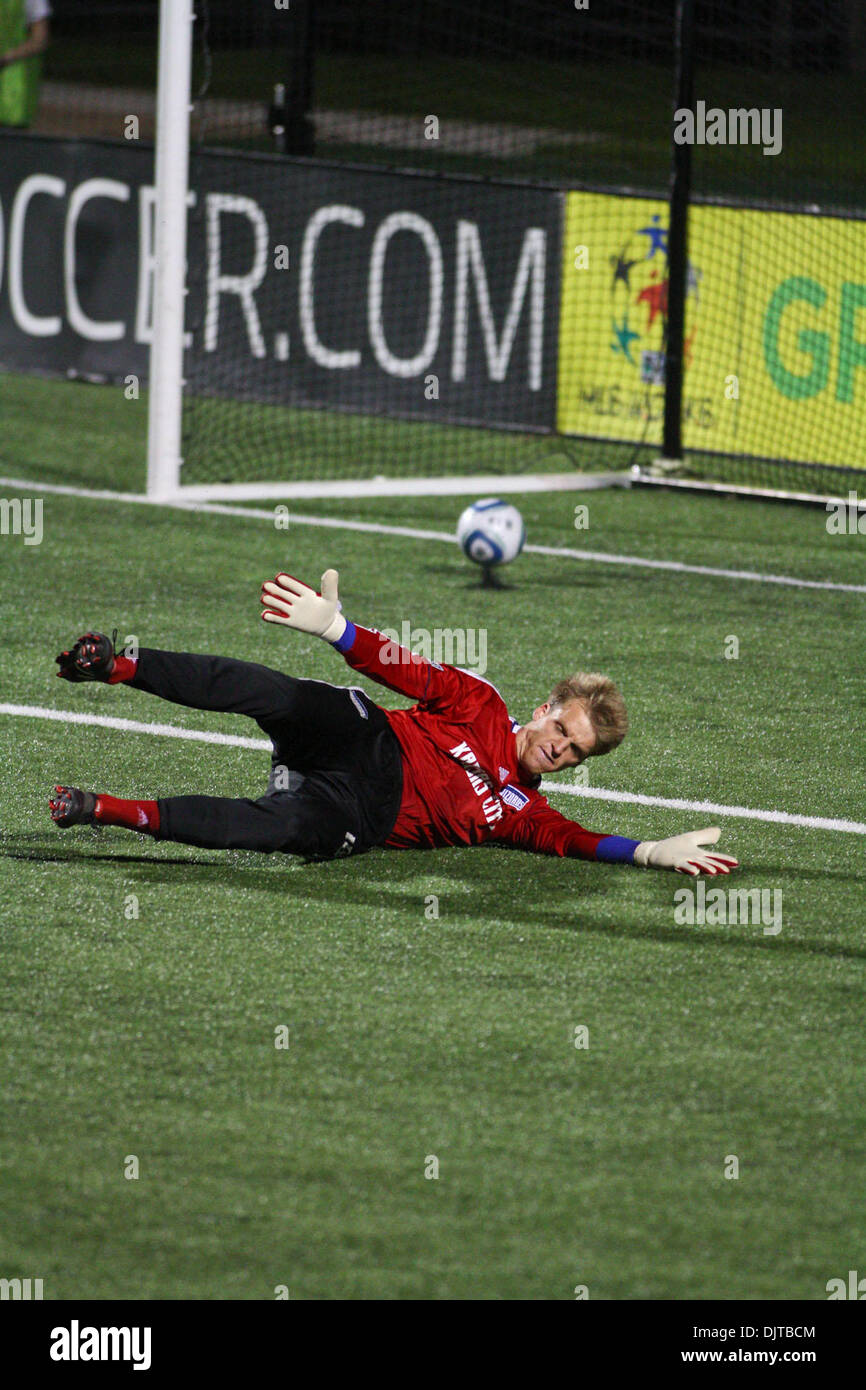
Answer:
(761, 494)
(338, 524)
(709, 808)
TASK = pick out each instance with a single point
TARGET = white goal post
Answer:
(165, 403)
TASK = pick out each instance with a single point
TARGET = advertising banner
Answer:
(775, 336)
(366, 290)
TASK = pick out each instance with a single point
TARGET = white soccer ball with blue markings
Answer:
(491, 532)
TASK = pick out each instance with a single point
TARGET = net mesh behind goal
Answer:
(448, 324)
(779, 289)
(413, 324)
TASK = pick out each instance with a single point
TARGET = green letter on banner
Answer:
(809, 340)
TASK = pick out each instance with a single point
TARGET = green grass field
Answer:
(410, 1036)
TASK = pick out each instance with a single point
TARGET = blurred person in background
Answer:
(24, 35)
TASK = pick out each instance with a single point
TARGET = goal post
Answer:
(165, 402)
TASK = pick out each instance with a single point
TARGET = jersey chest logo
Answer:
(514, 797)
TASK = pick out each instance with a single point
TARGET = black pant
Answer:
(336, 767)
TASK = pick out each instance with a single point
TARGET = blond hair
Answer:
(601, 700)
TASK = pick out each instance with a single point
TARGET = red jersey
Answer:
(462, 784)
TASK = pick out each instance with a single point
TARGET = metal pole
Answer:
(678, 260)
(299, 133)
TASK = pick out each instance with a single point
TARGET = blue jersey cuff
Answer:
(616, 849)
(347, 641)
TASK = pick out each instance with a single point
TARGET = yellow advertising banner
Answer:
(775, 336)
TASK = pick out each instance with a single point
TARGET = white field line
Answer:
(133, 726)
(709, 808)
(412, 533)
(712, 808)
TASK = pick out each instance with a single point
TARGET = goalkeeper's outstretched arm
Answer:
(291, 603)
(547, 831)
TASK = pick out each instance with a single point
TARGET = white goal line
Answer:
(598, 557)
(709, 808)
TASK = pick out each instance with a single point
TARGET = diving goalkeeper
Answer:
(347, 775)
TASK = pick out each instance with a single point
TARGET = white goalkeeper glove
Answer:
(294, 604)
(683, 853)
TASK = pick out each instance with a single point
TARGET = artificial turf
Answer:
(413, 1035)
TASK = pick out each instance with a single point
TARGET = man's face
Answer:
(558, 737)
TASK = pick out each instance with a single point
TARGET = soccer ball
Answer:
(491, 532)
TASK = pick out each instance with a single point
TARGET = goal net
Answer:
(381, 304)
(444, 253)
